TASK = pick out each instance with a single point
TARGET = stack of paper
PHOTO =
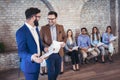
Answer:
(75, 48)
(100, 44)
(54, 48)
(90, 49)
(113, 38)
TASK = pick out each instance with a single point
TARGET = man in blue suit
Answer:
(30, 45)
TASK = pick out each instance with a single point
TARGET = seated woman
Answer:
(84, 44)
(70, 43)
(106, 39)
(95, 39)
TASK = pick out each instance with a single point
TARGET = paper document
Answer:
(46, 55)
(74, 48)
(100, 44)
(54, 48)
(90, 49)
(113, 38)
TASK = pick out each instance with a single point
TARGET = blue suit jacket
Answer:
(26, 48)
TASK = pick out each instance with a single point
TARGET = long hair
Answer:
(71, 34)
(97, 33)
(110, 28)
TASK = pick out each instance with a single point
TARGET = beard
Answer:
(36, 23)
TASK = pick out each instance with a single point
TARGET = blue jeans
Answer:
(53, 66)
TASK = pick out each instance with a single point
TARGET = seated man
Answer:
(84, 44)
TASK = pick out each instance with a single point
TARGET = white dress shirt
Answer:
(35, 36)
(53, 32)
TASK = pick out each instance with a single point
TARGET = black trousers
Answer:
(74, 56)
(53, 66)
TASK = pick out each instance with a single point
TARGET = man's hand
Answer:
(46, 49)
(63, 44)
(70, 50)
(35, 58)
(76, 49)
(85, 49)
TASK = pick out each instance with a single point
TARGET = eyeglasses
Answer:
(51, 18)
(37, 16)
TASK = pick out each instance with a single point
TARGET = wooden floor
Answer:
(97, 71)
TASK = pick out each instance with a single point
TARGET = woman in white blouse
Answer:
(95, 40)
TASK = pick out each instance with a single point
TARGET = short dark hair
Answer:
(84, 29)
(53, 13)
(31, 11)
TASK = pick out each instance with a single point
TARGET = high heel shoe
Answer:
(74, 69)
(61, 72)
(77, 69)
(111, 60)
(103, 61)
(42, 74)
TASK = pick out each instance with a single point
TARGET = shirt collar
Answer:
(29, 26)
(53, 26)
(83, 35)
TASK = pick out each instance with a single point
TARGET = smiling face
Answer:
(69, 33)
(83, 31)
(51, 20)
(109, 30)
(95, 30)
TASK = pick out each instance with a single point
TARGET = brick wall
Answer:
(75, 14)
(72, 14)
(9, 61)
(12, 17)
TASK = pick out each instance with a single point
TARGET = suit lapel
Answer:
(38, 33)
(57, 31)
(28, 32)
(49, 33)
(38, 36)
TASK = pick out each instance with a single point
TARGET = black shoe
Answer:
(103, 62)
(61, 72)
(74, 69)
(77, 69)
(86, 61)
(45, 73)
(96, 60)
(110, 60)
(42, 74)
